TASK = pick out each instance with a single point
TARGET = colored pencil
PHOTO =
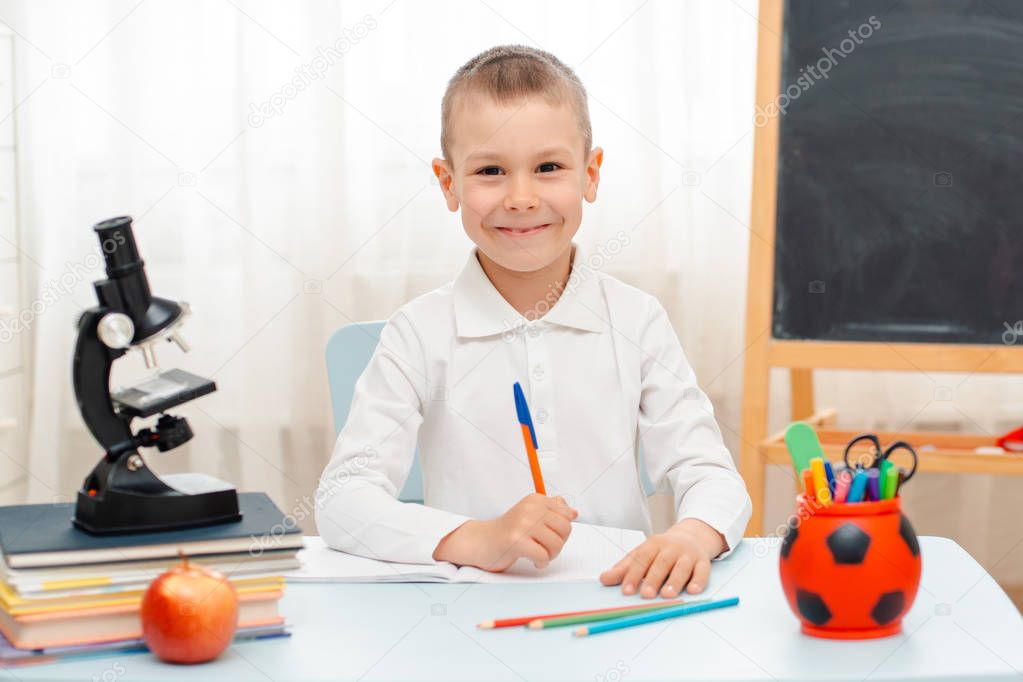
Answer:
(545, 623)
(653, 616)
(526, 620)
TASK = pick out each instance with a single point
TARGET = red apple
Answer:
(189, 614)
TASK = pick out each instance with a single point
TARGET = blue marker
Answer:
(858, 487)
(829, 473)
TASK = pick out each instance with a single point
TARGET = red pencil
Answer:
(526, 620)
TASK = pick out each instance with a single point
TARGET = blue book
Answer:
(40, 535)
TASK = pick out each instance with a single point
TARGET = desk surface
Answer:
(962, 626)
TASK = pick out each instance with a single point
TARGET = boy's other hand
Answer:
(535, 528)
(667, 562)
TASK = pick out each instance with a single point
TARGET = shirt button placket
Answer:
(540, 400)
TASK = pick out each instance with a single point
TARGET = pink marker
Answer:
(842, 482)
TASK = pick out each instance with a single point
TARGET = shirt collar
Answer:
(480, 310)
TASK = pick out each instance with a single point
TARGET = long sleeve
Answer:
(681, 439)
(357, 509)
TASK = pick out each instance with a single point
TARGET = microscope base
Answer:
(125, 512)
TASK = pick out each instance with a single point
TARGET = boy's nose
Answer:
(521, 197)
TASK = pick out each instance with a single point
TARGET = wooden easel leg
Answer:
(752, 464)
(802, 393)
(760, 273)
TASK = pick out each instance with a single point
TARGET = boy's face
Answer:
(519, 173)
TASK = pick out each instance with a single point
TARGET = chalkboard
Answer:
(900, 172)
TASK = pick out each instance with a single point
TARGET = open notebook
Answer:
(589, 551)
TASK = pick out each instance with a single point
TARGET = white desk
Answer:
(961, 627)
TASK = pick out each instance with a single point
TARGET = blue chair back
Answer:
(348, 353)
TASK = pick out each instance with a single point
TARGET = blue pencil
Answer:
(650, 617)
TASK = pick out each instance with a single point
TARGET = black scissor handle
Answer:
(903, 445)
(863, 436)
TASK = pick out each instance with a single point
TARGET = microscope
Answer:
(121, 494)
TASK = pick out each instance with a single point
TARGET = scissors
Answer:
(879, 455)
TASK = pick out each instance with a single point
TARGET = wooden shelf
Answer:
(948, 452)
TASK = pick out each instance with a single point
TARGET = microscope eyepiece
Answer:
(126, 289)
(117, 241)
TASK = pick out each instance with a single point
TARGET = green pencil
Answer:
(544, 623)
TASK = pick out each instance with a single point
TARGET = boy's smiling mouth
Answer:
(523, 231)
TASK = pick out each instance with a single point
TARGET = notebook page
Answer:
(589, 551)
(321, 564)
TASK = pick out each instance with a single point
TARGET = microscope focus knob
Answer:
(115, 330)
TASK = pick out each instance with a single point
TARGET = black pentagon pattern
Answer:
(909, 535)
(791, 533)
(889, 605)
(848, 544)
(812, 607)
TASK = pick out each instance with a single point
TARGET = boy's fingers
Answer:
(559, 524)
(550, 540)
(565, 512)
(677, 580)
(701, 575)
(639, 561)
(657, 572)
(535, 552)
(614, 575)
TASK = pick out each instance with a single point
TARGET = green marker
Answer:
(890, 484)
(885, 466)
(803, 445)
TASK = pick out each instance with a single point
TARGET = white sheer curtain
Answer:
(281, 224)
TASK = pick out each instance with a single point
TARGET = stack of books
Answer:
(65, 592)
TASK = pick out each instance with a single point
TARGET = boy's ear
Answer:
(593, 174)
(445, 177)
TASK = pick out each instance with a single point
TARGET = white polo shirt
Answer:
(602, 372)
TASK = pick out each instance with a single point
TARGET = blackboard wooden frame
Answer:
(953, 452)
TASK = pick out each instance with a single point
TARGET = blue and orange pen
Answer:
(529, 436)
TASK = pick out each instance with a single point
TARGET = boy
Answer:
(599, 363)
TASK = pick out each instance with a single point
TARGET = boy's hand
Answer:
(535, 528)
(666, 563)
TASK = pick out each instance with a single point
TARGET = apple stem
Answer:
(184, 559)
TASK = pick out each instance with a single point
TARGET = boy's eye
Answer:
(489, 170)
(548, 167)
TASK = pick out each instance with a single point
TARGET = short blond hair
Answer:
(508, 73)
